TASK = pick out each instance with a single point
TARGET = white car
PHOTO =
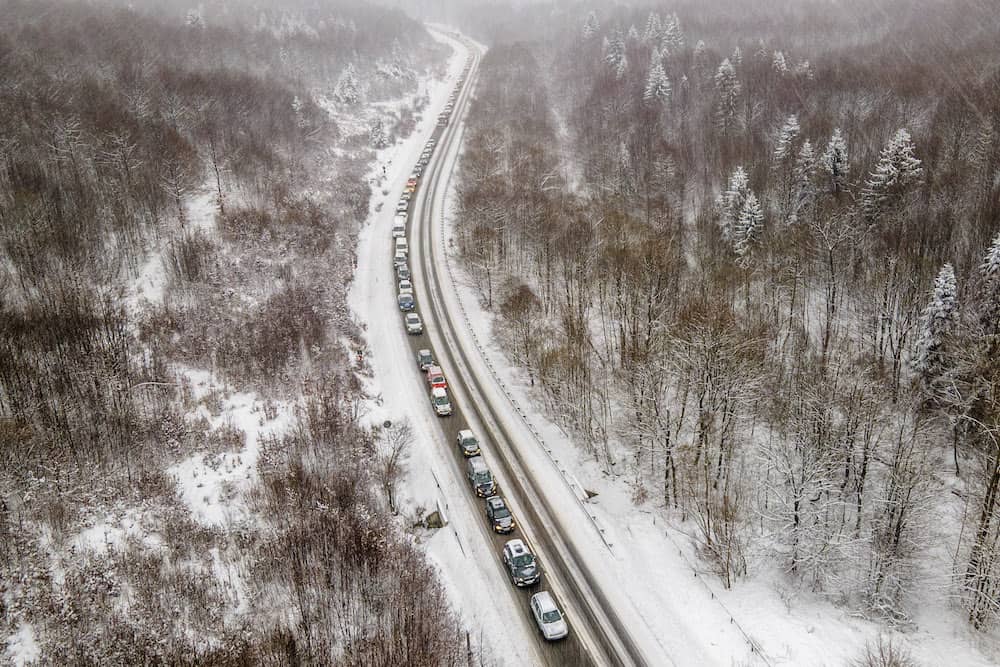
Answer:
(440, 401)
(402, 206)
(399, 259)
(405, 287)
(548, 617)
(413, 324)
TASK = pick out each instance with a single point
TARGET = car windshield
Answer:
(483, 478)
(469, 442)
(551, 616)
(501, 512)
(525, 560)
(441, 400)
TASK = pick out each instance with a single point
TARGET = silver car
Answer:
(549, 619)
(413, 324)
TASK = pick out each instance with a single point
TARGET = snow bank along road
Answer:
(597, 635)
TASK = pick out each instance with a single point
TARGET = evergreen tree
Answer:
(787, 135)
(804, 70)
(747, 230)
(614, 53)
(377, 134)
(657, 85)
(803, 184)
(701, 63)
(653, 31)
(348, 90)
(937, 322)
(731, 202)
(761, 55)
(633, 34)
(897, 170)
(591, 26)
(737, 58)
(835, 161)
(989, 301)
(673, 37)
(621, 68)
(727, 96)
(778, 63)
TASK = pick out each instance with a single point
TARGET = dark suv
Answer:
(521, 564)
(501, 520)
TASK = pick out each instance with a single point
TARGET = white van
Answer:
(402, 245)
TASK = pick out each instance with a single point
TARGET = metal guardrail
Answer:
(563, 474)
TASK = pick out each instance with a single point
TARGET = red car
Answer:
(412, 183)
(435, 378)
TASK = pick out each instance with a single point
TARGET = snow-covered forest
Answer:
(185, 477)
(748, 255)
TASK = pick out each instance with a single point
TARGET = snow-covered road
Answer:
(463, 552)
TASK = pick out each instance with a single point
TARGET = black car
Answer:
(500, 517)
(521, 564)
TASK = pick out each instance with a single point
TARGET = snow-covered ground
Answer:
(650, 570)
(463, 557)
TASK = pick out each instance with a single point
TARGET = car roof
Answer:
(517, 547)
(424, 352)
(545, 601)
(432, 369)
(438, 391)
(403, 297)
(466, 433)
(412, 316)
(496, 500)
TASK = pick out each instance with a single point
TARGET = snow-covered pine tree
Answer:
(803, 184)
(762, 54)
(347, 90)
(591, 26)
(377, 134)
(657, 85)
(787, 136)
(732, 200)
(804, 70)
(633, 34)
(673, 37)
(937, 322)
(747, 230)
(701, 62)
(897, 169)
(614, 54)
(727, 97)
(835, 161)
(737, 58)
(621, 68)
(989, 298)
(778, 63)
(653, 31)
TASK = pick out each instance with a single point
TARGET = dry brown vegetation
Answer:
(114, 119)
